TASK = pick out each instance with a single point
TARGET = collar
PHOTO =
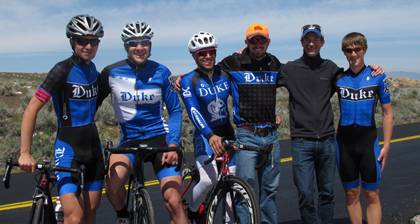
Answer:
(135, 66)
(78, 60)
(350, 72)
(216, 71)
(245, 58)
(312, 62)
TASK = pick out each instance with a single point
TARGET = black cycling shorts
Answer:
(75, 146)
(357, 157)
(161, 171)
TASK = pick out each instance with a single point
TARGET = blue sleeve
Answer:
(384, 94)
(193, 108)
(174, 110)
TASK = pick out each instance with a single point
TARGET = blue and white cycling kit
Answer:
(356, 135)
(206, 102)
(72, 84)
(138, 94)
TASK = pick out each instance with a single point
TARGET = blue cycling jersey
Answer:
(358, 95)
(138, 94)
(74, 90)
(205, 99)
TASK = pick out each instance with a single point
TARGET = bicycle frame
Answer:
(42, 187)
(223, 181)
(42, 191)
(137, 180)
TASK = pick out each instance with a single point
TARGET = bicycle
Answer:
(228, 193)
(140, 204)
(42, 210)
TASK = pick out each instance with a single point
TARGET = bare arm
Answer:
(388, 121)
(26, 161)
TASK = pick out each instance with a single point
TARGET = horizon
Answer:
(388, 25)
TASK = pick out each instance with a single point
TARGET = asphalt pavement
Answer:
(399, 190)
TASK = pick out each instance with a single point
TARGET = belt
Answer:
(262, 132)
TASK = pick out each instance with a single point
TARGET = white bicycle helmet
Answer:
(136, 29)
(83, 25)
(201, 40)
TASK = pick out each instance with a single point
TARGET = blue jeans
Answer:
(268, 175)
(314, 160)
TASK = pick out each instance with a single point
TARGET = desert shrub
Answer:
(105, 114)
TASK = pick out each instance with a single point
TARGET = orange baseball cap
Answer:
(257, 29)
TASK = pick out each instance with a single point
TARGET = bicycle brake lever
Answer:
(6, 177)
(209, 160)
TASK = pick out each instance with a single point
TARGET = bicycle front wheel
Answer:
(142, 208)
(38, 212)
(233, 201)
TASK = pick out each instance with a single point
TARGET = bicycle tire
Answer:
(38, 212)
(243, 192)
(143, 212)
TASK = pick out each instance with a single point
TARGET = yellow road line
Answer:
(26, 204)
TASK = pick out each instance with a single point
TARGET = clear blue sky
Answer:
(33, 32)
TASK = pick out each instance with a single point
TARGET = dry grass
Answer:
(17, 88)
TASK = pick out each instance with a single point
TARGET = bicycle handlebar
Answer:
(6, 177)
(231, 145)
(44, 166)
(143, 149)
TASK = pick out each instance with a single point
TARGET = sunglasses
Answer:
(135, 43)
(258, 40)
(351, 50)
(312, 27)
(204, 53)
(86, 41)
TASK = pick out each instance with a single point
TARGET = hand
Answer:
(383, 157)
(170, 158)
(278, 121)
(175, 81)
(377, 70)
(216, 145)
(26, 162)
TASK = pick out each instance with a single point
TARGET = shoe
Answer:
(122, 221)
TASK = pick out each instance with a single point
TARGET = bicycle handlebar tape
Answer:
(6, 177)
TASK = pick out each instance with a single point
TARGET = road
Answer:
(399, 191)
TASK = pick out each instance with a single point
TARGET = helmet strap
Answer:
(72, 44)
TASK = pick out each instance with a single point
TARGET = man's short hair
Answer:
(354, 38)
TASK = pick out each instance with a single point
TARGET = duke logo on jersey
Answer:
(357, 94)
(213, 90)
(148, 96)
(260, 78)
(186, 92)
(84, 91)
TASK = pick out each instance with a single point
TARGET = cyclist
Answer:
(205, 91)
(139, 87)
(360, 159)
(72, 85)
